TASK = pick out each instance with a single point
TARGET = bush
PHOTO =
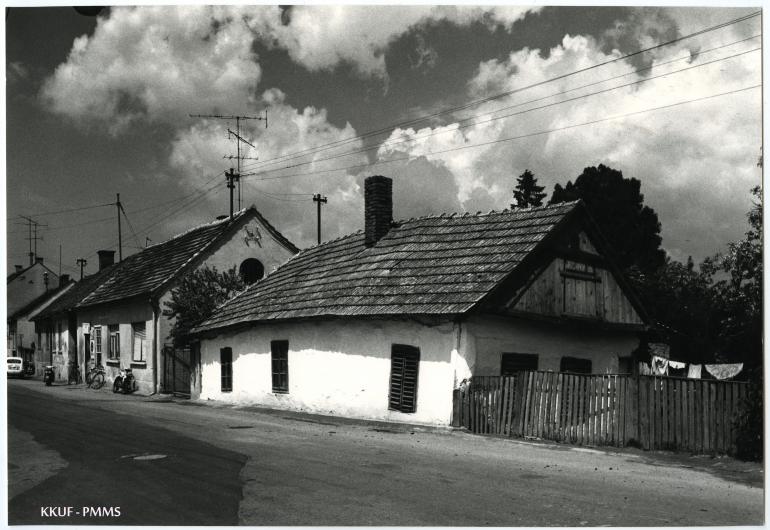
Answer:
(749, 421)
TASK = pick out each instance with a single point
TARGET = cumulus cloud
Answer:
(700, 155)
(150, 63)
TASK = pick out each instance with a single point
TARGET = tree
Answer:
(738, 288)
(527, 193)
(197, 295)
(617, 205)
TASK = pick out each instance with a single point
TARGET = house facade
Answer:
(116, 318)
(386, 323)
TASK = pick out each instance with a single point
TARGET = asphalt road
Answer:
(225, 465)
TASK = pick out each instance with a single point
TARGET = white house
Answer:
(114, 317)
(385, 323)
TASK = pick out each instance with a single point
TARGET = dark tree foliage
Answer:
(616, 204)
(527, 193)
(197, 295)
(738, 289)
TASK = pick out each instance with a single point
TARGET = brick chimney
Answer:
(39, 260)
(18, 268)
(106, 258)
(378, 208)
(64, 279)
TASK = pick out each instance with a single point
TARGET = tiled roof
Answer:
(432, 265)
(144, 272)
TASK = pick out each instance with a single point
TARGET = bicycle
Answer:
(95, 378)
(74, 377)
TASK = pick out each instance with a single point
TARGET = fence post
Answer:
(456, 407)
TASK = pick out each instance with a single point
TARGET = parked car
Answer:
(15, 366)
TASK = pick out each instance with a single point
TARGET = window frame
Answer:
(569, 359)
(98, 340)
(404, 375)
(113, 347)
(279, 366)
(226, 369)
(523, 358)
(142, 350)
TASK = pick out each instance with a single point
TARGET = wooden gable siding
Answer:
(568, 288)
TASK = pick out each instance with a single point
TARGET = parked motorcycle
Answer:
(48, 375)
(124, 382)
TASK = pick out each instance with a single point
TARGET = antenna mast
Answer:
(235, 176)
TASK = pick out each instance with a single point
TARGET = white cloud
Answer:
(696, 162)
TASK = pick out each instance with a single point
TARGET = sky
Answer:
(451, 102)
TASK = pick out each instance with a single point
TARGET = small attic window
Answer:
(251, 270)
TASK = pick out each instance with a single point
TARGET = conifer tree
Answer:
(527, 193)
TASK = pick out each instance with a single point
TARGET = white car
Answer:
(16, 366)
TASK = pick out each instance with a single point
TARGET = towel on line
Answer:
(724, 371)
(693, 371)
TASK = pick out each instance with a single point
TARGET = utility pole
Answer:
(230, 178)
(59, 260)
(120, 237)
(317, 198)
(82, 262)
(238, 140)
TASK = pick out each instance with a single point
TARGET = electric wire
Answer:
(513, 91)
(519, 137)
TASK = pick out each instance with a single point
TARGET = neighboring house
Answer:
(27, 284)
(385, 323)
(115, 317)
(23, 340)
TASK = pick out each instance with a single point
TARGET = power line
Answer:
(71, 210)
(504, 94)
(519, 137)
(473, 123)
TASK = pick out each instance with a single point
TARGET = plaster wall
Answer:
(492, 335)
(335, 367)
(124, 314)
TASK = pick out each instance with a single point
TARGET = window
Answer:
(49, 337)
(279, 351)
(575, 365)
(138, 330)
(98, 343)
(511, 363)
(114, 330)
(251, 270)
(404, 368)
(226, 365)
(582, 290)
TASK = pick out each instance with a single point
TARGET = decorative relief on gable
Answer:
(252, 236)
(586, 245)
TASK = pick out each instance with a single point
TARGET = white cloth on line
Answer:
(694, 370)
(676, 365)
(644, 369)
(724, 371)
(659, 365)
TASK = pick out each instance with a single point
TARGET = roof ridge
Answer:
(227, 219)
(457, 215)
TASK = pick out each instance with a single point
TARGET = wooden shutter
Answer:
(517, 362)
(404, 371)
(226, 364)
(279, 350)
(575, 365)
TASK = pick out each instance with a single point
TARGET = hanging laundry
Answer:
(724, 371)
(693, 371)
(659, 366)
(644, 369)
(676, 365)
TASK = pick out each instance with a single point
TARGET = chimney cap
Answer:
(38, 259)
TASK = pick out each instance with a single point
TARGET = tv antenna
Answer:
(236, 176)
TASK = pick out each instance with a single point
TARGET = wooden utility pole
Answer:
(318, 199)
(120, 236)
(82, 262)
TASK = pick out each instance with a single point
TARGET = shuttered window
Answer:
(226, 365)
(575, 365)
(114, 351)
(139, 329)
(279, 350)
(404, 370)
(517, 362)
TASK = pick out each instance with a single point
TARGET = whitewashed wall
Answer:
(491, 336)
(336, 367)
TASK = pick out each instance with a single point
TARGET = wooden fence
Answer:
(651, 411)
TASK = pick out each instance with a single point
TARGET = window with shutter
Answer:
(226, 365)
(279, 350)
(575, 365)
(139, 330)
(404, 371)
(517, 362)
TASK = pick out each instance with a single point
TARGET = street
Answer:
(172, 462)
